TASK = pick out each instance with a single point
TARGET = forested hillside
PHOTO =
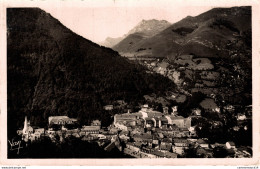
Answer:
(53, 71)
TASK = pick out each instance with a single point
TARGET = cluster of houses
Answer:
(143, 134)
(149, 133)
(148, 118)
(185, 62)
(59, 127)
(152, 134)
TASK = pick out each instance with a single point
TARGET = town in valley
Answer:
(147, 133)
(163, 90)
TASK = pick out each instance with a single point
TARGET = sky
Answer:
(98, 21)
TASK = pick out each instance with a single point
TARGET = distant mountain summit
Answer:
(145, 28)
(110, 42)
(150, 27)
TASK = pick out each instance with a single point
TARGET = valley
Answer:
(181, 90)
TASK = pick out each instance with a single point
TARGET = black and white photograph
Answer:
(127, 80)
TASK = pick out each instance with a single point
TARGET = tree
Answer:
(191, 152)
(219, 152)
(159, 107)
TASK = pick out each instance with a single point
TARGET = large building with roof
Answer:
(148, 118)
(61, 120)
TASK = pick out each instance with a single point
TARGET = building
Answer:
(158, 154)
(19, 132)
(179, 145)
(196, 112)
(241, 117)
(164, 122)
(176, 77)
(171, 131)
(229, 107)
(108, 107)
(124, 138)
(174, 108)
(27, 130)
(90, 130)
(165, 110)
(192, 131)
(39, 130)
(184, 132)
(157, 119)
(37, 135)
(96, 123)
(127, 117)
(180, 121)
(170, 155)
(166, 147)
(150, 122)
(181, 142)
(144, 138)
(132, 146)
(202, 143)
(120, 127)
(61, 120)
(125, 120)
(88, 137)
(149, 118)
(230, 145)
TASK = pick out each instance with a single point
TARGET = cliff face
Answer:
(150, 27)
(145, 28)
(53, 71)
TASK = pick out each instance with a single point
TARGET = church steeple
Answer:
(25, 126)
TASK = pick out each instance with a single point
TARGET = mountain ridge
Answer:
(215, 27)
(53, 71)
(147, 27)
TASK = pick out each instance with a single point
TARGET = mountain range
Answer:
(209, 34)
(53, 71)
(218, 41)
(110, 42)
(144, 29)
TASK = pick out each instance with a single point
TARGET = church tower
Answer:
(25, 126)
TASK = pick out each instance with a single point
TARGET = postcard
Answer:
(138, 82)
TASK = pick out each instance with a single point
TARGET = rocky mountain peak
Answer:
(150, 27)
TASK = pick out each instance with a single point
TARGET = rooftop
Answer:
(200, 141)
(180, 140)
(158, 153)
(166, 147)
